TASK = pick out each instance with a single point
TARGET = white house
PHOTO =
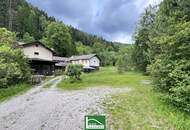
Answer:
(37, 51)
(88, 61)
(40, 57)
(44, 61)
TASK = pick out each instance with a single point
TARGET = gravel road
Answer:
(53, 109)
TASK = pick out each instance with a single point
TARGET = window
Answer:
(36, 45)
(36, 53)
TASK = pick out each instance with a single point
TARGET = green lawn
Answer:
(106, 76)
(140, 109)
(6, 93)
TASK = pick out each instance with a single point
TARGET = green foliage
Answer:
(30, 23)
(27, 38)
(180, 86)
(105, 52)
(125, 60)
(142, 39)
(25, 18)
(13, 65)
(171, 68)
(173, 77)
(98, 47)
(107, 57)
(6, 37)
(4, 15)
(141, 106)
(59, 38)
(163, 42)
(87, 39)
(120, 65)
(74, 71)
(82, 49)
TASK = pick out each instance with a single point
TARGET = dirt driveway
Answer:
(53, 109)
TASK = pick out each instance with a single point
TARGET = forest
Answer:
(161, 48)
(30, 23)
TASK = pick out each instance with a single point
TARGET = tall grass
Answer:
(11, 91)
(140, 109)
(105, 77)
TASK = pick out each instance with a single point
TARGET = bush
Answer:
(173, 77)
(6, 37)
(14, 68)
(171, 68)
(125, 59)
(74, 72)
(180, 86)
(120, 65)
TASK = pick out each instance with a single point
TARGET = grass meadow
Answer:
(140, 109)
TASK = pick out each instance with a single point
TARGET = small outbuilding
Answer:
(90, 61)
(60, 62)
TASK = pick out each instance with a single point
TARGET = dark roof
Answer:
(82, 57)
(34, 43)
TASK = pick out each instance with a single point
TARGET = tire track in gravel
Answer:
(53, 109)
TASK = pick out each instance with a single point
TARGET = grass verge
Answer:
(140, 109)
(105, 77)
(6, 93)
(144, 109)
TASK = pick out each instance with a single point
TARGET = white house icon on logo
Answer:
(95, 125)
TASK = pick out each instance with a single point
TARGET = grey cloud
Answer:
(106, 18)
(118, 20)
(74, 9)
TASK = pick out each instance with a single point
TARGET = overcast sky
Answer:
(114, 20)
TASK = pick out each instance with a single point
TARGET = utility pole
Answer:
(10, 15)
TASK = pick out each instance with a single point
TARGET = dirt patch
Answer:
(52, 109)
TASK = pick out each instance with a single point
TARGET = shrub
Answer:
(74, 71)
(173, 77)
(120, 65)
(6, 37)
(125, 59)
(14, 68)
(180, 85)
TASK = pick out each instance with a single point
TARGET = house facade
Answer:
(40, 57)
(37, 51)
(43, 60)
(88, 61)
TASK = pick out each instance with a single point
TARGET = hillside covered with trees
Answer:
(161, 49)
(31, 23)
